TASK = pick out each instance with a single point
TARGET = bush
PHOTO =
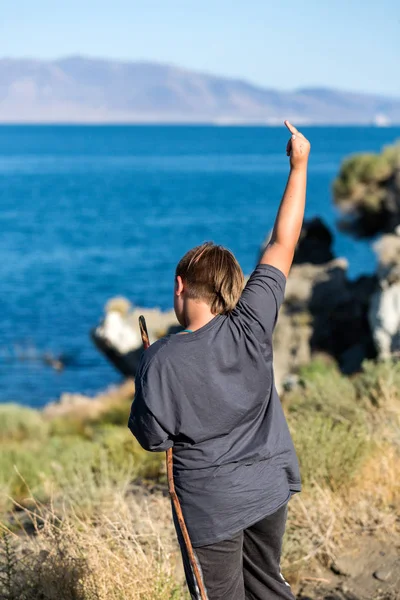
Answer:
(21, 469)
(360, 171)
(364, 190)
(379, 382)
(21, 423)
(116, 414)
(327, 392)
(35, 469)
(319, 366)
(70, 425)
(328, 423)
(122, 449)
(44, 469)
(330, 452)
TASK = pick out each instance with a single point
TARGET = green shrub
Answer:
(392, 155)
(362, 170)
(328, 422)
(379, 382)
(330, 394)
(116, 414)
(329, 451)
(319, 366)
(84, 425)
(34, 467)
(23, 467)
(70, 425)
(122, 449)
(21, 423)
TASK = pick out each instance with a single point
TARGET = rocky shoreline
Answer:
(324, 311)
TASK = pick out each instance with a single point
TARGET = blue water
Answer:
(92, 212)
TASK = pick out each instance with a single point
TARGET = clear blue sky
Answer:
(348, 44)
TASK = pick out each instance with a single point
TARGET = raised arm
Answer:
(280, 250)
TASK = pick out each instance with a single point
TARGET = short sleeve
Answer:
(261, 299)
(146, 426)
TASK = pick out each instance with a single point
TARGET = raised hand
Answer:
(280, 251)
(297, 148)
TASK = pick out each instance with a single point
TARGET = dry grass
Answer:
(126, 550)
(322, 522)
(362, 498)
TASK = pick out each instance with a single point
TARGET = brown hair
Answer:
(212, 273)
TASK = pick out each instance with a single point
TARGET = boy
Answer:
(208, 392)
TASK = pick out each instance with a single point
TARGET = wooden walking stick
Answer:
(172, 492)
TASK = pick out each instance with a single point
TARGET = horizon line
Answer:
(394, 125)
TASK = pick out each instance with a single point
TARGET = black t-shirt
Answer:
(210, 395)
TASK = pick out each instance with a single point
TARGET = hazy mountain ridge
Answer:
(79, 89)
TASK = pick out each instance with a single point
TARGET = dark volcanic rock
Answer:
(340, 317)
(315, 244)
(323, 310)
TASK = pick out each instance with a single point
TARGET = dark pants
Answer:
(245, 567)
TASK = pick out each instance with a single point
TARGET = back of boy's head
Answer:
(211, 273)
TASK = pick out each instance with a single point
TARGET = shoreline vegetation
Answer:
(367, 192)
(85, 513)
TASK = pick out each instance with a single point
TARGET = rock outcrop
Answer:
(315, 243)
(323, 312)
(384, 310)
(367, 191)
(118, 335)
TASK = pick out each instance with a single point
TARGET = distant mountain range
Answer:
(87, 90)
